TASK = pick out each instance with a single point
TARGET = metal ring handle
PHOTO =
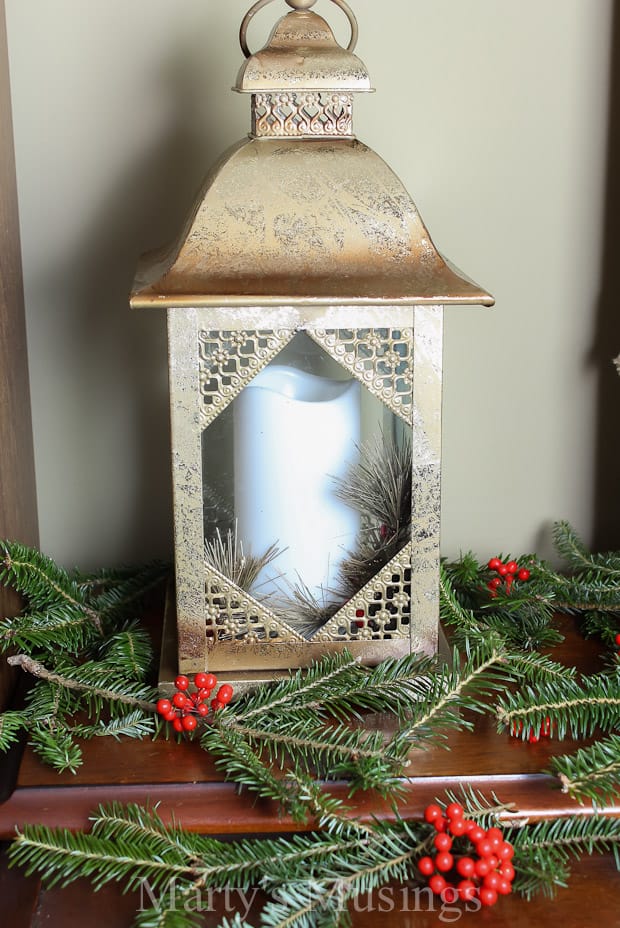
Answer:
(249, 16)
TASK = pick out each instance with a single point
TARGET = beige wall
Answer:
(494, 113)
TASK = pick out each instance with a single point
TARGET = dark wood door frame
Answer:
(18, 508)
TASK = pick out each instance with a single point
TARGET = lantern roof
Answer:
(302, 53)
(302, 213)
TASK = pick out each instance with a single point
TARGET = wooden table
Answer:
(185, 783)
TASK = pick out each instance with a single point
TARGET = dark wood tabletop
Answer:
(187, 786)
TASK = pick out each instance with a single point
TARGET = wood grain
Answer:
(18, 514)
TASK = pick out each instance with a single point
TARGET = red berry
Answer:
(494, 563)
(495, 836)
(432, 813)
(210, 682)
(442, 842)
(181, 682)
(444, 861)
(225, 693)
(455, 810)
(426, 866)
(502, 570)
(437, 883)
(524, 574)
(512, 567)
(485, 848)
(171, 715)
(504, 887)
(617, 639)
(487, 896)
(457, 827)
(467, 890)
(482, 867)
(202, 710)
(507, 871)
(163, 706)
(465, 866)
(216, 704)
(440, 823)
(179, 700)
(493, 862)
(495, 583)
(469, 825)
(450, 895)
(199, 680)
(533, 738)
(491, 880)
(476, 834)
(509, 578)
(189, 722)
(178, 724)
(505, 851)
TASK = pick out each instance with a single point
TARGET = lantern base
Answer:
(241, 680)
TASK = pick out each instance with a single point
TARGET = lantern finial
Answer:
(301, 4)
(302, 82)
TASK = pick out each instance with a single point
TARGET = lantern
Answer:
(305, 306)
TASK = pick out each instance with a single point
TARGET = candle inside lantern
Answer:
(295, 434)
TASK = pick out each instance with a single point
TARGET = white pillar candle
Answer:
(295, 433)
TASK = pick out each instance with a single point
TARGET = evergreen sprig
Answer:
(576, 708)
(543, 851)
(591, 773)
(79, 639)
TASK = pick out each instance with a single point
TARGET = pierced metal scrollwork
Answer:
(291, 114)
(228, 361)
(380, 358)
(381, 609)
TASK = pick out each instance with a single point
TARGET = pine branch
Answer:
(568, 544)
(543, 851)
(71, 683)
(591, 773)
(59, 626)
(573, 707)
(538, 668)
(12, 723)
(449, 689)
(55, 746)
(130, 651)
(336, 751)
(116, 601)
(39, 579)
(133, 725)
(316, 686)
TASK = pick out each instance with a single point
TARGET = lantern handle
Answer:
(296, 4)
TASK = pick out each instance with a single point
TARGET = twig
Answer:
(38, 670)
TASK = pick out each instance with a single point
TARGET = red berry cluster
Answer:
(507, 573)
(516, 730)
(185, 707)
(484, 877)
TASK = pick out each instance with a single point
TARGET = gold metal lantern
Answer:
(305, 310)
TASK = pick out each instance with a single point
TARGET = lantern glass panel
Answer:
(306, 481)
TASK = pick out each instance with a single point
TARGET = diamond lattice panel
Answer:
(382, 609)
(382, 359)
(229, 361)
(231, 613)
